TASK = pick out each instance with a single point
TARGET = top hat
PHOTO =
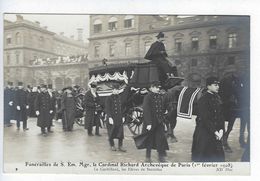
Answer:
(212, 80)
(49, 86)
(160, 35)
(20, 83)
(9, 83)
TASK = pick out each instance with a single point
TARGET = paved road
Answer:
(21, 147)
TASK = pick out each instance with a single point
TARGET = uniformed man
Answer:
(92, 107)
(8, 104)
(44, 110)
(207, 139)
(157, 54)
(154, 107)
(22, 106)
(115, 120)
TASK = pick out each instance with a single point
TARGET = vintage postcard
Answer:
(126, 93)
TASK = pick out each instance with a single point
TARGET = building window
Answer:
(213, 42)
(18, 38)
(129, 21)
(8, 59)
(195, 43)
(97, 51)
(194, 62)
(17, 58)
(8, 40)
(97, 26)
(212, 61)
(178, 44)
(112, 24)
(231, 60)
(147, 46)
(232, 40)
(128, 49)
(111, 50)
(41, 41)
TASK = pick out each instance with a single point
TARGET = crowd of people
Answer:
(46, 104)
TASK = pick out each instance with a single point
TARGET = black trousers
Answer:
(112, 143)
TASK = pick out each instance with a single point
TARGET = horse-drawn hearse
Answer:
(133, 79)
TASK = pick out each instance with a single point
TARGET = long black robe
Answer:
(205, 146)
(154, 106)
(8, 109)
(68, 105)
(113, 109)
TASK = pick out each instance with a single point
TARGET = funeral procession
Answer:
(126, 88)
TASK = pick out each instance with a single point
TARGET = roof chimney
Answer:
(80, 34)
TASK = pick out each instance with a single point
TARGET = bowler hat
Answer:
(160, 35)
(212, 80)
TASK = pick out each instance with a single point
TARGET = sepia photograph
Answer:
(128, 93)
(113, 88)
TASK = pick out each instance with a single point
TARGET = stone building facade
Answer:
(200, 45)
(26, 41)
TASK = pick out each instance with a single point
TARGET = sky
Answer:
(59, 23)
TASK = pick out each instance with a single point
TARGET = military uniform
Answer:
(210, 119)
(154, 108)
(44, 105)
(21, 102)
(113, 109)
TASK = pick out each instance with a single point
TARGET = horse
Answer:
(234, 93)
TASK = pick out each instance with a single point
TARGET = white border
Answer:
(184, 7)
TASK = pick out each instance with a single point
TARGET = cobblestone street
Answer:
(31, 146)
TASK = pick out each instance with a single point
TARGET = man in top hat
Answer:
(44, 109)
(207, 139)
(115, 120)
(22, 106)
(154, 107)
(92, 107)
(8, 104)
(157, 54)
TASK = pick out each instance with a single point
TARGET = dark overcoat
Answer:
(8, 109)
(154, 107)
(91, 105)
(157, 54)
(31, 97)
(114, 110)
(43, 104)
(205, 146)
(21, 100)
(68, 107)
